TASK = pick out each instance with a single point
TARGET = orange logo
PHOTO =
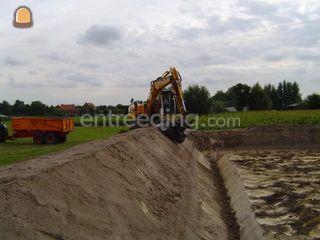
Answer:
(23, 17)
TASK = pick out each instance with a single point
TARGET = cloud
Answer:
(100, 35)
(277, 55)
(233, 24)
(217, 26)
(88, 65)
(259, 7)
(133, 83)
(211, 42)
(189, 33)
(13, 83)
(33, 72)
(12, 61)
(307, 34)
(88, 79)
(308, 55)
(59, 79)
(55, 57)
(205, 60)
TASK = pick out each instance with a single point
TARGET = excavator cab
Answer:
(168, 102)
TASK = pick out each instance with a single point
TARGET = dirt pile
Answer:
(137, 185)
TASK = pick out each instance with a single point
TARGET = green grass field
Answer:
(24, 149)
(247, 119)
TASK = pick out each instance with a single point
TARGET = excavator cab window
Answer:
(168, 102)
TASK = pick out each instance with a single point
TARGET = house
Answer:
(295, 106)
(69, 109)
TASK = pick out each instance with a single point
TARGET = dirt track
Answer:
(139, 185)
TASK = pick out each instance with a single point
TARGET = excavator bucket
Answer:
(174, 132)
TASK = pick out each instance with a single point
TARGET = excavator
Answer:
(165, 107)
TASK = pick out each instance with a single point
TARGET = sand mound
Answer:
(138, 185)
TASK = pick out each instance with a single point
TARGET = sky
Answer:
(107, 52)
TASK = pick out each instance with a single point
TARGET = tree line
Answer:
(286, 95)
(37, 108)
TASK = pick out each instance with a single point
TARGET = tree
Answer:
(218, 107)
(54, 111)
(239, 95)
(288, 93)
(19, 108)
(271, 92)
(280, 94)
(5, 108)
(259, 100)
(121, 109)
(313, 101)
(102, 109)
(37, 108)
(88, 108)
(221, 96)
(296, 95)
(197, 99)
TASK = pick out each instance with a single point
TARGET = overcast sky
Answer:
(107, 52)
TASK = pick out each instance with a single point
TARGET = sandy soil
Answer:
(140, 185)
(284, 189)
(137, 185)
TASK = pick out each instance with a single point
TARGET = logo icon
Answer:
(23, 17)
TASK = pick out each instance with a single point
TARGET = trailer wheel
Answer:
(51, 138)
(4, 133)
(38, 138)
(63, 138)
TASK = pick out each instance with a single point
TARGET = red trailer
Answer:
(42, 130)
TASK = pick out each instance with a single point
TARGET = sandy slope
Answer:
(137, 185)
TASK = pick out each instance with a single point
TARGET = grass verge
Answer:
(24, 149)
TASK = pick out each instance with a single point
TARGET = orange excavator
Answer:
(164, 107)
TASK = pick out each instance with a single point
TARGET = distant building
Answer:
(69, 109)
(231, 109)
(295, 106)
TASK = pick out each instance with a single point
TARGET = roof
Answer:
(67, 107)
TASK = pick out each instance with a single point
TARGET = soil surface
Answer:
(284, 189)
(137, 185)
(140, 185)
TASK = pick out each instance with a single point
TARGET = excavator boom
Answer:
(158, 102)
(169, 77)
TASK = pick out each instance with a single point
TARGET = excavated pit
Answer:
(271, 174)
(140, 185)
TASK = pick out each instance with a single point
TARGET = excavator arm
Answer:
(172, 125)
(169, 77)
